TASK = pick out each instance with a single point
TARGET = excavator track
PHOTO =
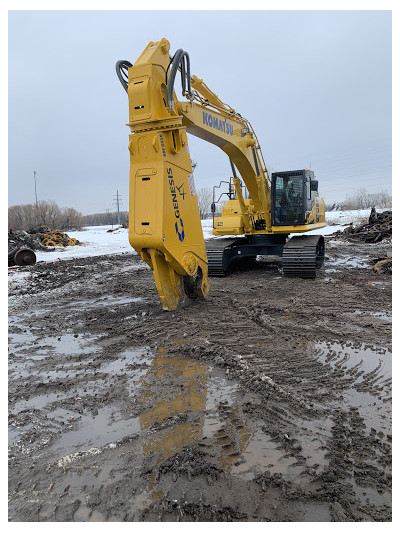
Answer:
(215, 263)
(218, 256)
(302, 256)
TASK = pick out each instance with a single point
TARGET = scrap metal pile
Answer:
(22, 239)
(21, 244)
(20, 248)
(53, 238)
(378, 227)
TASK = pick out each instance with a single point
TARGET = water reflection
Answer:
(203, 399)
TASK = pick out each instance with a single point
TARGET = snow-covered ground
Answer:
(346, 217)
(97, 241)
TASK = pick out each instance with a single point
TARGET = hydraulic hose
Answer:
(122, 72)
(180, 61)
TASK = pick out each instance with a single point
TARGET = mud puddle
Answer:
(381, 315)
(185, 403)
(105, 428)
(367, 383)
(108, 301)
(230, 413)
(68, 344)
(27, 350)
(364, 358)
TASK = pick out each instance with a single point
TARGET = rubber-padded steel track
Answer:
(302, 256)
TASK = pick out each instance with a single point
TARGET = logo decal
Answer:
(174, 196)
(214, 122)
(179, 190)
(162, 145)
(181, 234)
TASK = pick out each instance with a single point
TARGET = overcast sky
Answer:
(316, 87)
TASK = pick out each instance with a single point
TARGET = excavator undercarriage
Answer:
(301, 256)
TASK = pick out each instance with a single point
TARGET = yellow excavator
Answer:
(164, 219)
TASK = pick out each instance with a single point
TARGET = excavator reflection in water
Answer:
(193, 402)
(164, 220)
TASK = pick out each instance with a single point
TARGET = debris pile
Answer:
(378, 227)
(22, 239)
(122, 226)
(53, 238)
(383, 265)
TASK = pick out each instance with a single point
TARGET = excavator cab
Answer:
(292, 196)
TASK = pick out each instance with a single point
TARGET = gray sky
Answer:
(316, 86)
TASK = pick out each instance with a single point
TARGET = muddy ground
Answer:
(270, 401)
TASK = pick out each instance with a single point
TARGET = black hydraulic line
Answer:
(121, 67)
(180, 61)
(169, 64)
(185, 74)
(170, 86)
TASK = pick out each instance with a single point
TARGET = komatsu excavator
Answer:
(164, 219)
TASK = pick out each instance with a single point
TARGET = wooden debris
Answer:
(378, 227)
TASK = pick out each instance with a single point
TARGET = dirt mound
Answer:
(378, 227)
(190, 461)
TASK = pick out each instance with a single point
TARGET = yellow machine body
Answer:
(232, 222)
(164, 219)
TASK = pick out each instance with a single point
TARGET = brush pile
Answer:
(378, 227)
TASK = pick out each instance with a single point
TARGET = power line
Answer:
(34, 178)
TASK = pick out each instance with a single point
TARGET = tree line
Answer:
(29, 217)
(362, 199)
(104, 219)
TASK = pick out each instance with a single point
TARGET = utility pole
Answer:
(118, 202)
(34, 179)
(108, 218)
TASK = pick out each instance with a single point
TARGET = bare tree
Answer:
(361, 199)
(204, 199)
(70, 218)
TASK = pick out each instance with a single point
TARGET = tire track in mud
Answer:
(256, 394)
